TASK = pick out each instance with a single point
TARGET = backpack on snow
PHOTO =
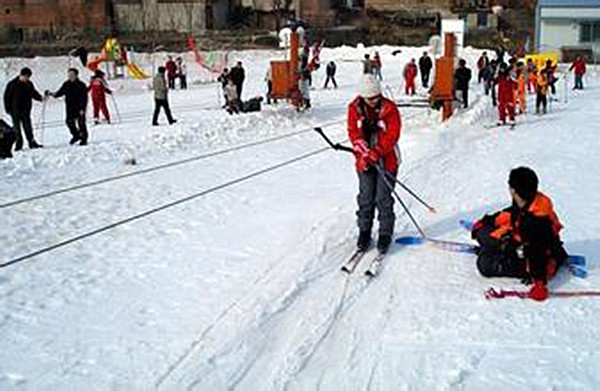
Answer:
(7, 139)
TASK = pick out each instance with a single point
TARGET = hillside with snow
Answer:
(213, 263)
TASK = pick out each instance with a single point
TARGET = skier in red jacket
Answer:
(171, 68)
(578, 67)
(374, 129)
(99, 89)
(410, 74)
(506, 91)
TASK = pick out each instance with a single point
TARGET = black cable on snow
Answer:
(157, 168)
(158, 209)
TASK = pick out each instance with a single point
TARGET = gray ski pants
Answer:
(374, 193)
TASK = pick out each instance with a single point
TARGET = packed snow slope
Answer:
(240, 288)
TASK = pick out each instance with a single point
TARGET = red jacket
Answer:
(98, 87)
(506, 89)
(579, 67)
(171, 68)
(410, 71)
(388, 129)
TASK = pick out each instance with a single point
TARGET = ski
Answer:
(375, 265)
(521, 294)
(351, 264)
(575, 263)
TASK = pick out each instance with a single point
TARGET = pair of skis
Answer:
(374, 267)
(576, 264)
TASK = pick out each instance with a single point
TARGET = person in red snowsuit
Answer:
(578, 67)
(506, 91)
(374, 126)
(99, 89)
(410, 74)
(171, 72)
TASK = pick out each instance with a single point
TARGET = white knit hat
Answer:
(369, 86)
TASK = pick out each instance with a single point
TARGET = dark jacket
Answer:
(223, 79)
(238, 75)
(18, 96)
(75, 93)
(462, 76)
(331, 68)
(425, 64)
(252, 105)
(535, 228)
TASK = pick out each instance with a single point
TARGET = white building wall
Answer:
(558, 33)
(572, 13)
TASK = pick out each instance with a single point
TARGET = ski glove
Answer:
(539, 291)
(361, 151)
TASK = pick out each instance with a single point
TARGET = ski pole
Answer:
(116, 107)
(389, 185)
(42, 119)
(339, 147)
(415, 196)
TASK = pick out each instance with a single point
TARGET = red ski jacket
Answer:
(171, 68)
(578, 66)
(506, 89)
(98, 87)
(386, 119)
(410, 71)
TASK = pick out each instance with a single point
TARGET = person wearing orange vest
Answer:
(522, 241)
(531, 75)
(541, 92)
(374, 126)
(521, 94)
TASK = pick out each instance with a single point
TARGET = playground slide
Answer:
(136, 72)
(93, 64)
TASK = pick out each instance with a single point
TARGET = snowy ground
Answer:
(241, 288)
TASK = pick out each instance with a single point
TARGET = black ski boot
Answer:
(383, 243)
(364, 240)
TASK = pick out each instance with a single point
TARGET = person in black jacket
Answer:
(462, 76)
(237, 74)
(18, 97)
(75, 93)
(330, 70)
(425, 65)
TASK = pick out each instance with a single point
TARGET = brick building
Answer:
(39, 19)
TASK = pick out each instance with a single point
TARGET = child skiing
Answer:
(99, 89)
(410, 74)
(374, 129)
(522, 241)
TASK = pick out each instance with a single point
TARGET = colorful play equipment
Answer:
(540, 59)
(443, 87)
(213, 62)
(113, 52)
(286, 74)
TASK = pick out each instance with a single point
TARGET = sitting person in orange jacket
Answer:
(522, 241)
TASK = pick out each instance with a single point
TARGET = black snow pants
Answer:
(24, 120)
(374, 193)
(78, 128)
(494, 261)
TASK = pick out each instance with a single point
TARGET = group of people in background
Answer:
(509, 83)
(20, 94)
(176, 69)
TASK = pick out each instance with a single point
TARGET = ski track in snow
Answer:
(241, 289)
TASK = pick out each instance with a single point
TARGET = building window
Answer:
(589, 32)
